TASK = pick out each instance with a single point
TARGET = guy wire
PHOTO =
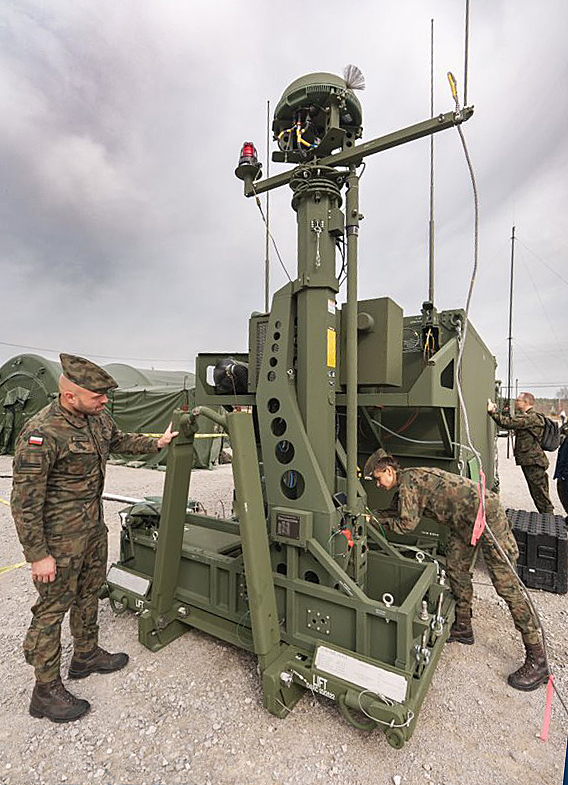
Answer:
(257, 199)
(462, 340)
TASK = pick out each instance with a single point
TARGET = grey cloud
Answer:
(124, 229)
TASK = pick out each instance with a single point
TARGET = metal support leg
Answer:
(158, 624)
(254, 537)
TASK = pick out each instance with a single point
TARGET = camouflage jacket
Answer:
(441, 496)
(528, 428)
(59, 472)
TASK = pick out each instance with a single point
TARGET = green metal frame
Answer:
(301, 575)
(238, 593)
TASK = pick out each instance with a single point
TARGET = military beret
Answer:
(372, 460)
(86, 374)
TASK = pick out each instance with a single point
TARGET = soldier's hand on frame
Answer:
(491, 407)
(166, 437)
(44, 570)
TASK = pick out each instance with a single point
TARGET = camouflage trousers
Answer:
(459, 556)
(81, 570)
(537, 480)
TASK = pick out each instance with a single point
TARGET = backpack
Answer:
(550, 439)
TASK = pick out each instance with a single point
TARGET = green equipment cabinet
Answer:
(302, 574)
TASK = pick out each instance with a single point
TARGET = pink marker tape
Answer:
(548, 709)
(480, 522)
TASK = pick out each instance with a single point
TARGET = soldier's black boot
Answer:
(533, 672)
(96, 661)
(53, 701)
(461, 630)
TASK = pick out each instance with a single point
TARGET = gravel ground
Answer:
(192, 714)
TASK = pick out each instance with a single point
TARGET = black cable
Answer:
(340, 243)
(270, 233)
(552, 270)
(91, 354)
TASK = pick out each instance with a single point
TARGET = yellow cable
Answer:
(453, 85)
(5, 502)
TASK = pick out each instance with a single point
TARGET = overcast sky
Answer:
(125, 235)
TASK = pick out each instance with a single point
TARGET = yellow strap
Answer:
(12, 567)
(197, 435)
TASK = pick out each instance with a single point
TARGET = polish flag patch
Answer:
(35, 440)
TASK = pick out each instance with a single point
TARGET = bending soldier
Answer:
(454, 501)
(529, 455)
(58, 480)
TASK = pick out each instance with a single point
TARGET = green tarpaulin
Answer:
(149, 410)
(143, 403)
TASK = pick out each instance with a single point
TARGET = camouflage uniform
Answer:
(529, 455)
(58, 480)
(454, 501)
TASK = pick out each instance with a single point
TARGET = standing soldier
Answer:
(58, 480)
(529, 455)
(454, 501)
(561, 469)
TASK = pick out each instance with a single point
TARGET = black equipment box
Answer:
(543, 549)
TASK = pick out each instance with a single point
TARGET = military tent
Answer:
(143, 403)
(27, 384)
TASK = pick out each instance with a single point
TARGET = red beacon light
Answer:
(249, 166)
(248, 154)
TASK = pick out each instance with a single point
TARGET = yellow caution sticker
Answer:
(331, 348)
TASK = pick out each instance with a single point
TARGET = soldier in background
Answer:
(561, 468)
(58, 481)
(529, 455)
(454, 501)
